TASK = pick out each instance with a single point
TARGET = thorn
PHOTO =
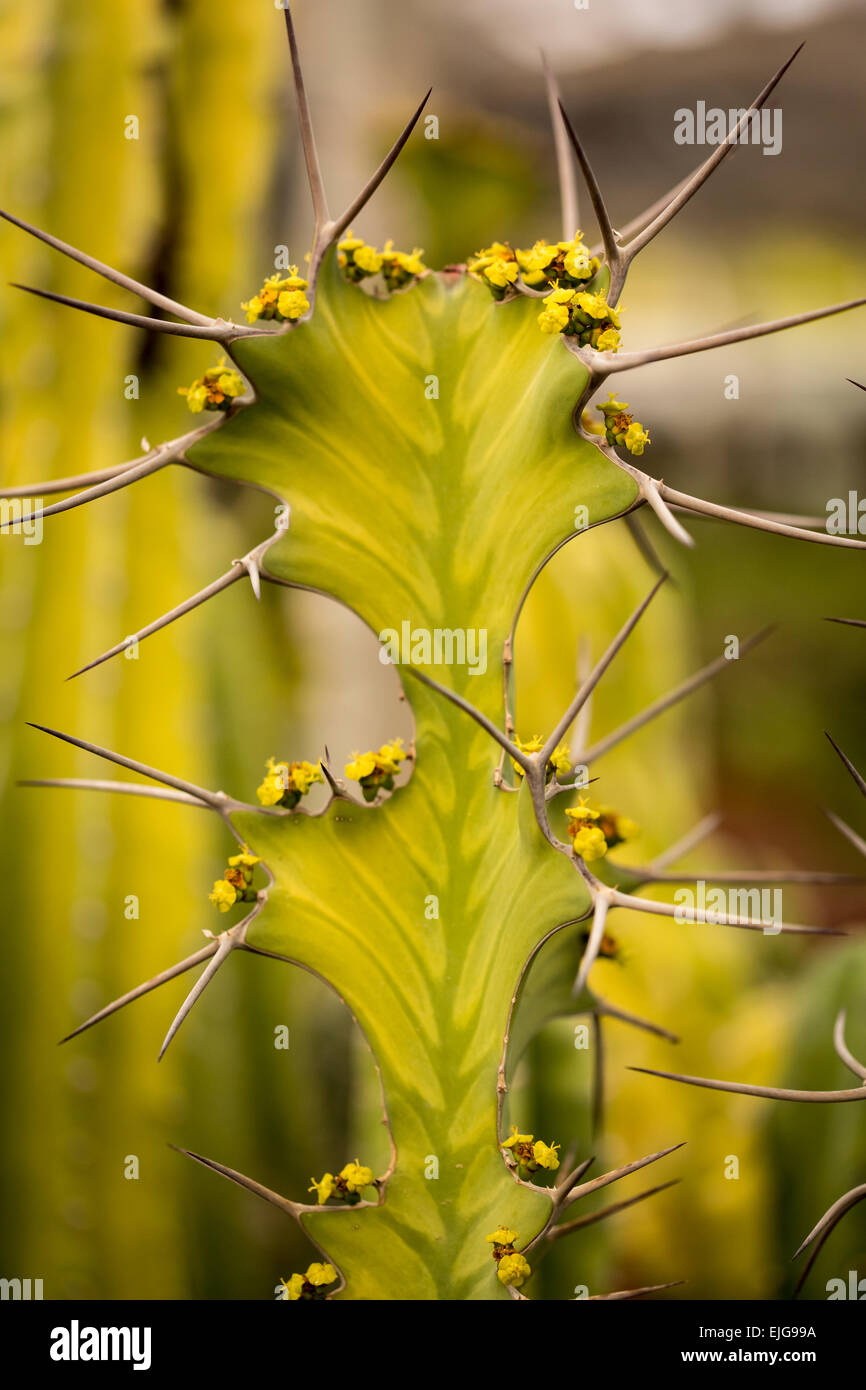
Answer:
(211, 798)
(847, 622)
(608, 236)
(290, 1208)
(593, 944)
(129, 788)
(689, 841)
(130, 474)
(673, 697)
(859, 783)
(851, 836)
(843, 1051)
(565, 171)
(758, 521)
(108, 273)
(623, 1294)
(145, 443)
(336, 229)
(216, 330)
(308, 139)
(822, 1230)
(511, 748)
(226, 945)
(768, 1092)
(715, 919)
(162, 978)
(603, 1006)
(556, 1232)
(615, 1174)
(606, 362)
(595, 676)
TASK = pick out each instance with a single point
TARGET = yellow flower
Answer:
(501, 1236)
(369, 260)
(324, 1188)
(294, 1287)
(362, 765)
(320, 1274)
(285, 783)
(514, 1270)
(578, 263)
(224, 895)
(560, 759)
(244, 860)
(275, 783)
(214, 390)
(356, 1177)
(292, 304)
(537, 257)
(502, 273)
(589, 843)
(545, 1155)
(608, 341)
(554, 319)
(636, 438)
(516, 1138)
(390, 756)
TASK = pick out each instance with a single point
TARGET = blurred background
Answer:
(196, 205)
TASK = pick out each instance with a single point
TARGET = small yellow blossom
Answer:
(400, 267)
(558, 762)
(214, 390)
(515, 1138)
(497, 266)
(324, 1188)
(356, 1176)
(513, 1270)
(375, 770)
(593, 833)
(588, 843)
(356, 259)
(545, 1155)
(281, 297)
(310, 1286)
(501, 1236)
(636, 438)
(565, 262)
(244, 859)
(224, 895)
(621, 428)
(285, 783)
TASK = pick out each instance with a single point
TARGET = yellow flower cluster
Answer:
(593, 833)
(622, 428)
(312, 1285)
(358, 261)
(558, 762)
(529, 1153)
(511, 1268)
(281, 297)
(588, 318)
(215, 390)
(563, 263)
(285, 783)
(235, 886)
(375, 770)
(345, 1186)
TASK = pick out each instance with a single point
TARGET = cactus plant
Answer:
(429, 441)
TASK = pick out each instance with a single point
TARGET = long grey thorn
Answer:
(665, 702)
(624, 1295)
(308, 139)
(92, 784)
(842, 1049)
(847, 622)
(226, 943)
(815, 876)
(218, 800)
(80, 480)
(715, 919)
(850, 835)
(249, 564)
(739, 1088)
(565, 169)
(292, 1209)
(608, 1010)
(218, 330)
(593, 945)
(595, 1184)
(756, 520)
(692, 838)
(337, 228)
(638, 223)
(831, 1218)
(151, 462)
(608, 235)
(567, 1180)
(502, 739)
(592, 680)
(700, 175)
(162, 978)
(126, 282)
(605, 363)
(568, 1227)
(858, 781)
